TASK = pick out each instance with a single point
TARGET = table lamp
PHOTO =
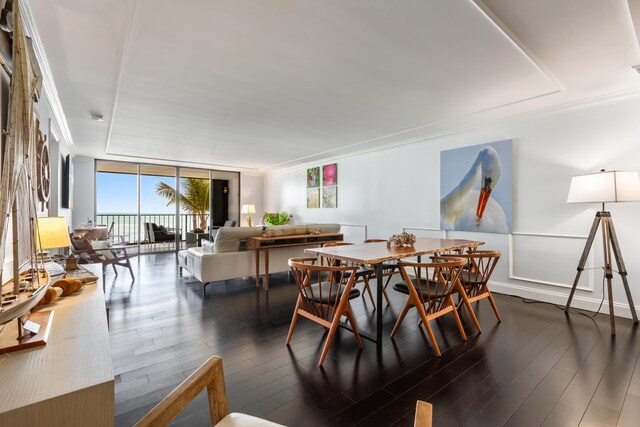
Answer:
(248, 209)
(52, 234)
(605, 187)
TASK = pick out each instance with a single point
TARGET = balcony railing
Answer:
(125, 226)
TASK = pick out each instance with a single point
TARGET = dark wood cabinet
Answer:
(219, 201)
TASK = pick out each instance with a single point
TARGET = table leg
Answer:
(379, 309)
(257, 267)
(266, 270)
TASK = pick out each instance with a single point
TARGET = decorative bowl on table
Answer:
(402, 240)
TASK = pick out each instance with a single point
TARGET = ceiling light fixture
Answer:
(97, 117)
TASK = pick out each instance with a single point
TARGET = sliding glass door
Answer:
(163, 208)
(159, 228)
(195, 211)
(117, 200)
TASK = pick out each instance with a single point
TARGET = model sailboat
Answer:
(18, 207)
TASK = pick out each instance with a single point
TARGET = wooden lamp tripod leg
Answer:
(608, 272)
(622, 270)
(583, 259)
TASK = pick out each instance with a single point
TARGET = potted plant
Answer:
(277, 218)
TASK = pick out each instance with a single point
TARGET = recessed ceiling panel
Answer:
(257, 83)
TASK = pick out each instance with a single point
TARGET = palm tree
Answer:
(194, 198)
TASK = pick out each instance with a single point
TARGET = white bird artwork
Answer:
(464, 208)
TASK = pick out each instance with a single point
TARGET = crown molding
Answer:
(517, 43)
(48, 84)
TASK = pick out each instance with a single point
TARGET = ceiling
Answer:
(260, 85)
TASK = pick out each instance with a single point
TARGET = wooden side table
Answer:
(263, 244)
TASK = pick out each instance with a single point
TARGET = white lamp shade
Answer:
(248, 209)
(605, 187)
(53, 233)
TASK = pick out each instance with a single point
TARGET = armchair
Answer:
(154, 233)
(105, 256)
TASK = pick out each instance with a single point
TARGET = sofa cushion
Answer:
(327, 228)
(284, 230)
(228, 238)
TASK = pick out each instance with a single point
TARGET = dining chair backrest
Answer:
(209, 376)
(432, 282)
(324, 289)
(479, 266)
(331, 260)
(374, 241)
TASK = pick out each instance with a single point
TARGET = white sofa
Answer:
(229, 258)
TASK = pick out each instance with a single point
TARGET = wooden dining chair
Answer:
(324, 292)
(474, 279)
(430, 292)
(424, 414)
(363, 273)
(209, 375)
(389, 269)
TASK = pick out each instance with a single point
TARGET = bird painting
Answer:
(470, 206)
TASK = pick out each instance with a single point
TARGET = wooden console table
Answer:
(265, 243)
(68, 382)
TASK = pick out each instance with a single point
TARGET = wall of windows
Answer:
(137, 202)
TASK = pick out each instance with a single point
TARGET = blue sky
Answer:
(117, 193)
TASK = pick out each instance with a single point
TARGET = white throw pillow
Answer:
(207, 246)
(104, 244)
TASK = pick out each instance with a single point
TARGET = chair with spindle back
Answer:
(389, 269)
(324, 292)
(363, 273)
(430, 293)
(475, 278)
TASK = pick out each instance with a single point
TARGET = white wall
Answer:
(84, 177)
(400, 187)
(252, 194)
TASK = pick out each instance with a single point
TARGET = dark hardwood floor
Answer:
(537, 367)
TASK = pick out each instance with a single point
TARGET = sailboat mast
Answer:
(16, 260)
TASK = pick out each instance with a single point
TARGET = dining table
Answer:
(375, 254)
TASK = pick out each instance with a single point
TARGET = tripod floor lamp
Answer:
(605, 187)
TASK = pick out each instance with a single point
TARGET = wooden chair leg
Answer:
(495, 307)
(432, 337)
(457, 317)
(467, 303)
(368, 289)
(404, 312)
(133, 278)
(327, 343)
(425, 323)
(352, 320)
(384, 293)
(114, 269)
(294, 319)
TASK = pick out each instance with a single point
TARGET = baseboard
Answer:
(581, 302)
